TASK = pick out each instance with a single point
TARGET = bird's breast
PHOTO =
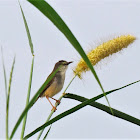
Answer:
(55, 87)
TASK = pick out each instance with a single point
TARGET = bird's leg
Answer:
(58, 101)
(54, 108)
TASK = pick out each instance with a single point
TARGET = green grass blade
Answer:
(27, 100)
(47, 133)
(69, 95)
(4, 72)
(8, 99)
(74, 109)
(27, 30)
(105, 108)
(32, 101)
(51, 14)
(30, 81)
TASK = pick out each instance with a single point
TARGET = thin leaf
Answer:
(30, 81)
(69, 95)
(51, 14)
(4, 72)
(27, 100)
(105, 108)
(47, 133)
(27, 30)
(32, 101)
(8, 99)
(74, 109)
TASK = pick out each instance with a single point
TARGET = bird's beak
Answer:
(69, 62)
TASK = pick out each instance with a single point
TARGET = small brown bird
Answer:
(57, 82)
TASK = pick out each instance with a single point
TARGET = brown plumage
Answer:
(57, 82)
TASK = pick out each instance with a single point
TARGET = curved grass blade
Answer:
(32, 101)
(105, 108)
(74, 109)
(47, 133)
(69, 95)
(51, 14)
(27, 100)
(4, 72)
(8, 99)
(31, 73)
(73, 96)
(27, 30)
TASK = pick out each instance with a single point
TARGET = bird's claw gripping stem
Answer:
(58, 101)
(54, 109)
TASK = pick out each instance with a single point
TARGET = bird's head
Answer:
(62, 65)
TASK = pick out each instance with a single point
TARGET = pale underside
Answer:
(53, 89)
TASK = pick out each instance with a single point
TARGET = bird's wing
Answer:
(47, 86)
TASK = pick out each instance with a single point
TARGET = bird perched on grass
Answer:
(57, 82)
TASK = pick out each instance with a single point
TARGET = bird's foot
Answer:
(64, 94)
(58, 101)
(54, 109)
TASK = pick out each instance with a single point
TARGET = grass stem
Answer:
(50, 115)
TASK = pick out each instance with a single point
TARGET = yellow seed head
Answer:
(104, 50)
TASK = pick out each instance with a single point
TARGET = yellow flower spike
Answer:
(104, 50)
